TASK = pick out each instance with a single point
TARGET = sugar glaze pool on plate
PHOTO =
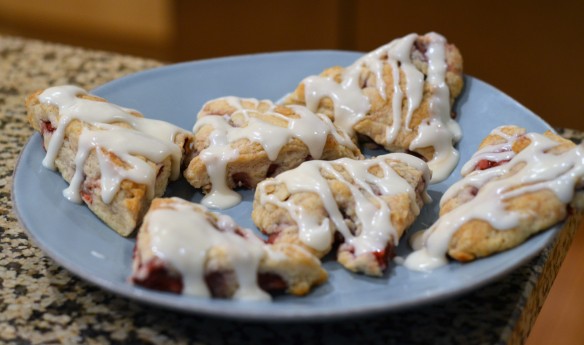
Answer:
(76, 239)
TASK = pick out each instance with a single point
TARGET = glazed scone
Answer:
(240, 142)
(399, 95)
(184, 248)
(516, 185)
(363, 205)
(115, 160)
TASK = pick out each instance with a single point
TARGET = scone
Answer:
(115, 160)
(513, 187)
(363, 205)
(184, 248)
(399, 95)
(240, 142)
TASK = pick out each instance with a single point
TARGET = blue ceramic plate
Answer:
(79, 241)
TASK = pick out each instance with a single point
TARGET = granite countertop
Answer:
(43, 303)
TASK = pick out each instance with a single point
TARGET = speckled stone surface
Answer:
(41, 303)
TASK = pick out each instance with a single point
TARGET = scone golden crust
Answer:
(183, 248)
(516, 185)
(83, 134)
(397, 95)
(240, 142)
(365, 205)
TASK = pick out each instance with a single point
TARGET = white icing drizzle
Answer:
(494, 153)
(372, 212)
(310, 128)
(440, 131)
(558, 173)
(182, 236)
(216, 156)
(152, 139)
(126, 144)
(351, 105)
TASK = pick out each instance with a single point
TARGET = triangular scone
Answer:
(516, 185)
(115, 160)
(240, 142)
(184, 248)
(399, 95)
(365, 205)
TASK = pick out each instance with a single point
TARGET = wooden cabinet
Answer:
(140, 27)
(530, 50)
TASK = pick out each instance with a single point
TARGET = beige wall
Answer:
(531, 50)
